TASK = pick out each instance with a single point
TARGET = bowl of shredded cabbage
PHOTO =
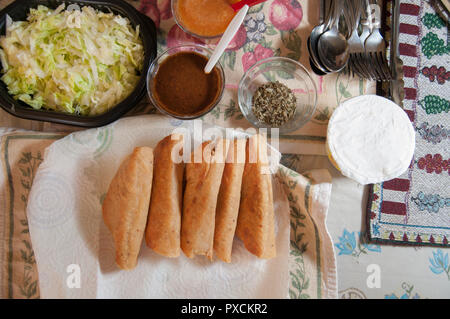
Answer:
(83, 63)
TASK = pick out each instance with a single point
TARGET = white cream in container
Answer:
(370, 139)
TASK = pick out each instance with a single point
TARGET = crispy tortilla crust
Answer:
(256, 225)
(200, 199)
(164, 219)
(125, 207)
(228, 202)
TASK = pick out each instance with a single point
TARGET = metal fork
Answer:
(368, 71)
(356, 61)
(375, 48)
(376, 51)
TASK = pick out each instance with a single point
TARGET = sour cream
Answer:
(370, 139)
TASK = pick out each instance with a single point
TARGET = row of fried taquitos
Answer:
(222, 196)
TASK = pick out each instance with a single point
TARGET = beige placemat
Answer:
(21, 155)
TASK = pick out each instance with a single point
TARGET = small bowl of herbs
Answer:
(277, 92)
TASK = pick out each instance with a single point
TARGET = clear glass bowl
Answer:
(288, 72)
(174, 4)
(154, 67)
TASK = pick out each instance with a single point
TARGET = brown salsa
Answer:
(182, 88)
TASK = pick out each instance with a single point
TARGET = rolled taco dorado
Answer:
(228, 201)
(200, 199)
(256, 225)
(164, 221)
(125, 208)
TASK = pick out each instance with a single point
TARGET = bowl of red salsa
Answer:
(205, 19)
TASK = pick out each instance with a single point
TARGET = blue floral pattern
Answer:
(408, 293)
(439, 263)
(349, 245)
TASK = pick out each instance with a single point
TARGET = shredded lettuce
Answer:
(80, 61)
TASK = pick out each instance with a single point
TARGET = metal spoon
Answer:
(313, 62)
(333, 46)
(315, 35)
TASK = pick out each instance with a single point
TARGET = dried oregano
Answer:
(274, 104)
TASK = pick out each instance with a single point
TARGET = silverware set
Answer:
(348, 39)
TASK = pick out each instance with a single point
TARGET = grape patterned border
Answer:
(424, 50)
(434, 164)
(430, 202)
(433, 104)
(441, 75)
(433, 134)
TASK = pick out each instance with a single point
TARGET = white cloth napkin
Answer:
(75, 252)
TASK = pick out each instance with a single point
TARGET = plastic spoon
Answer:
(229, 34)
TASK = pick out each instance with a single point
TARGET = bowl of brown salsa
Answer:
(178, 86)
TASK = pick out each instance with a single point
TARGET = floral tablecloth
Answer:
(273, 28)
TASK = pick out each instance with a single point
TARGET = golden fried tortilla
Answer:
(228, 201)
(256, 225)
(125, 207)
(200, 199)
(164, 220)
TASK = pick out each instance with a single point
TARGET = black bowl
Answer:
(19, 10)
